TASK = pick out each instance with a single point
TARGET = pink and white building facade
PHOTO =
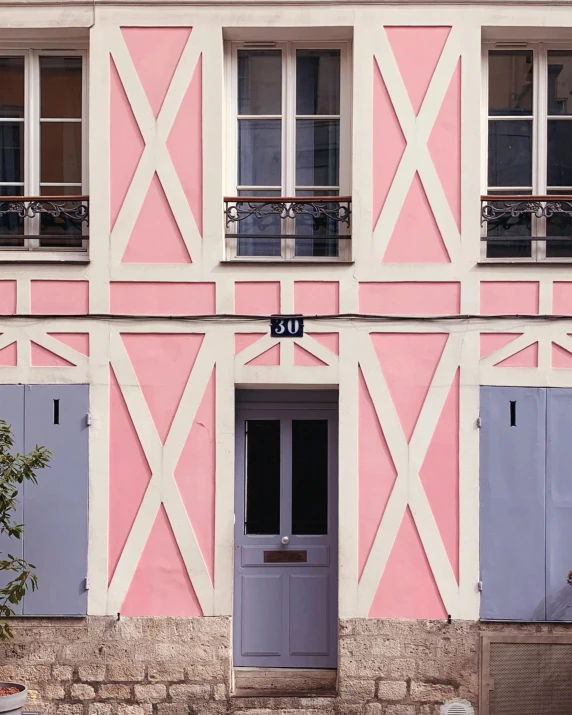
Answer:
(415, 517)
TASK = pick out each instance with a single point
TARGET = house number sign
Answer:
(286, 326)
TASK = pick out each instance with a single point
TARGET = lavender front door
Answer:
(285, 594)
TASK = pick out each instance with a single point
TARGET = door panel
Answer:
(262, 609)
(512, 503)
(285, 607)
(309, 619)
(558, 504)
(12, 412)
(56, 508)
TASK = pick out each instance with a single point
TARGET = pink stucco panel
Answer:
(388, 143)
(195, 475)
(9, 355)
(155, 52)
(162, 363)
(243, 340)
(445, 145)
(509, 297)
(561, 358)
(408, 362)
(270, 357)
(303, 357)
(256, 298)
(161, 584)
(493, 341)
(7, 297)
(185, 144)
(316, 297)
(129, 473)
(416, 237)
(562, 298)
(156, 237)
(376, 470)
(76, 341)
(331, 341)
(125, 144)
(41, 357)
(410, 298)
(527, 357)
(127, 298)
(417, 51)
(60, 297)
(440, 475)
(407, 588)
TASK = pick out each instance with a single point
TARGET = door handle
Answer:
(285, 540)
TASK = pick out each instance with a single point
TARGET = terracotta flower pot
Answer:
(13, 704)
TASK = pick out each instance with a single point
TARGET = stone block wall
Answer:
(182, 666)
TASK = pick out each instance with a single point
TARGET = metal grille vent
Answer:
(457, 707)
(528, 678)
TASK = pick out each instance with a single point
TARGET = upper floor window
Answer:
(289, 129)
(43, 142)
(529, 153)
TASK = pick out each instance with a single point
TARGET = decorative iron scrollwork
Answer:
(495, 209)
(74, 209)
(333, 208)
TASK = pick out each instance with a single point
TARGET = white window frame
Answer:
(539, 141)
(288, 147)
(31, 52)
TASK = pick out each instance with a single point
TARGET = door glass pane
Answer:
(320, 232)
(510, 153)
(507, 226)
(60, 153)
(254, 232)
(11, 225)
(510, 82)
(262, 477)
(12, 153)
(317, 152)
(60, 87)
(11, 87)
(309, 476)
(259, 82)
(60, 231)
(559, 225)
(559, 153)
(259, 152)
(560, 82)
(317, 82)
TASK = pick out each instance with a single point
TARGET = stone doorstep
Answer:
(283, 682)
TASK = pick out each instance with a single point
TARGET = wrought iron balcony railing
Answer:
(283, 228)
(44, 222)
(527, 227)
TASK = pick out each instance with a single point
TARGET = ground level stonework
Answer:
(182, 666)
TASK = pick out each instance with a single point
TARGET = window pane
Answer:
(508, 226)
(12, 152)
(60, 231)
(262, 477)
(560, 82)
(259, 152)
(323, 230)
(60, 87)
(259, 82)
(510, 153)
(317, 81)
(253, 231)
(11, 225)
(510, 82)
(317, 152)
(60, 158)
(309, 476)
(559, 153)
(559, 225)
(11, 87)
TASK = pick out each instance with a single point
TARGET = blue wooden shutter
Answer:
(558, 504)
(56, 509)
(12, 412)
(512, 503)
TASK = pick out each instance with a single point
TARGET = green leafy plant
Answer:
(15, 469)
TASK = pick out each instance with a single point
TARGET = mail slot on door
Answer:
(285, 557)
